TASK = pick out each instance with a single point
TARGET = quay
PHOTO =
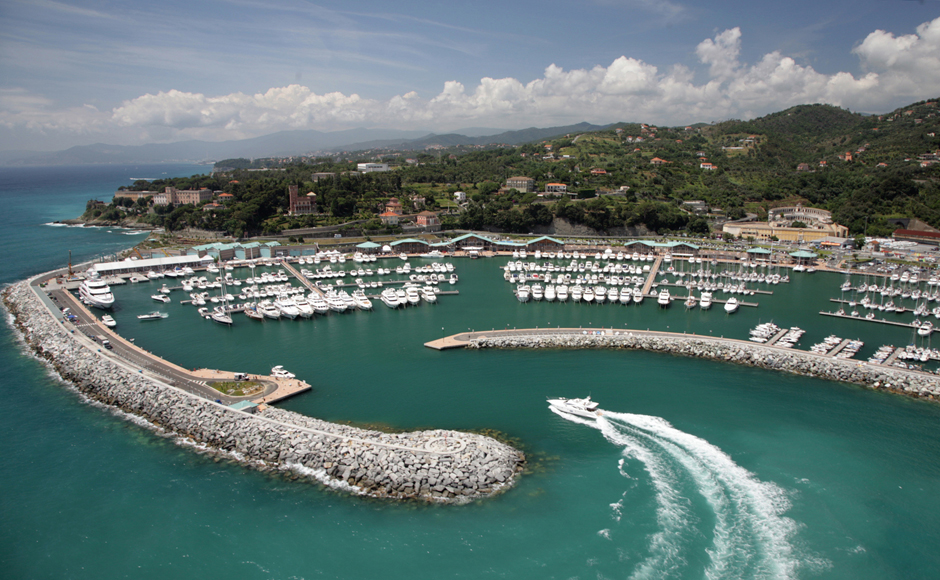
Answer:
(433, 465)
(905, 381)
(776, 338)
(864, 319)
(195, 382)
(839, 347)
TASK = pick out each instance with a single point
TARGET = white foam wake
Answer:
(751, 538)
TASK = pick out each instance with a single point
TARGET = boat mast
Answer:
(70, 263)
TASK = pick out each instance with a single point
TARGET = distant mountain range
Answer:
(282, 144)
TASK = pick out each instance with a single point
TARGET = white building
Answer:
(460, 196)
(371, 167)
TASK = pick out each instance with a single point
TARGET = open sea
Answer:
(701, 470)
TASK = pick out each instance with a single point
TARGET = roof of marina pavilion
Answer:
(802, 254)
(759, 251)
(665, 245)
(368, 246)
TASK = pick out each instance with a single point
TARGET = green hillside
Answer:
(864, 169)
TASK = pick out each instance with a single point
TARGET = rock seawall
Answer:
(438, 465)
(914, 384)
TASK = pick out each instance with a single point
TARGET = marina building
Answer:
(764, 231)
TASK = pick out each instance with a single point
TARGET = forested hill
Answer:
(865, 169)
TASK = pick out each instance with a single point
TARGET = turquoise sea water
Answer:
(703, 470)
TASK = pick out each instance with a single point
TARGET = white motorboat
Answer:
(319, 304)
(412, 295)
(523, 292)
(160, 298)
(286, 307)
(279, 372)
(731, 305)
(95, 292)
(581, 407)
(268, 310)
(390, 298)
(637, 295)
(303, 305)
(108, 321)
(706, 301)
(663, 299)
(152, 316)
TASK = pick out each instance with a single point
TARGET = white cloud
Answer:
(896, 70)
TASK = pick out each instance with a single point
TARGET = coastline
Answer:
(437, 466)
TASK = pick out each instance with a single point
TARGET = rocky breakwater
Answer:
(438, 465)
(897, 380)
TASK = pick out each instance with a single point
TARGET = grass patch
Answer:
(238, 388)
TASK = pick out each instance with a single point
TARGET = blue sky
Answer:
(134, 72)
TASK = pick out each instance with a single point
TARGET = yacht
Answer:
(108, 321)
(428, 295)
(95, 292)
(253, 314)
(268, 310)
(581, 407)
(286, 307)
(562, 293)
(390, 298)
(731, 305)
(537, 292)
(319, 303)
(625, 295)
(550, 293)
(523, 292)
(152, 316)
(160, 298)
(362, 301)
(279, 372)
(706, 301)
(412, 295)
(663, 300)
(637, 295)
(304, 306)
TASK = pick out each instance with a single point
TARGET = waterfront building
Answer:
(556, 188)
(173, 196)
(764, 231)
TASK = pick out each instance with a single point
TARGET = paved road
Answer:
(88, 325)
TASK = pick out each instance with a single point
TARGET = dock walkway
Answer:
(839, 347)
(776, 338)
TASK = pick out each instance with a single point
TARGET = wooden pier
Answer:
(839, 347)
(776, 338)
(652, 276)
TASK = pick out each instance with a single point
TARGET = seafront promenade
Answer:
(908, 382)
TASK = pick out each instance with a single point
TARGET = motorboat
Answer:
(268, 310)
(286, 306)
(706, 301)
(523, 292)
(361, 300)
(637, 295)
(95, 292)
(253, 314)
(390, 298)
(663, 299)
(279, 372)
(581, 407)
(108, 321)
(731, 305)
(152, 316)
(160, 298)
(303, 305)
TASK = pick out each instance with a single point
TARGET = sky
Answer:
(130, 72)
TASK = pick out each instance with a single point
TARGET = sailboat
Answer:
(219, 313)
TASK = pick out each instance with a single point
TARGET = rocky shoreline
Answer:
(437, 465)
(896, 380)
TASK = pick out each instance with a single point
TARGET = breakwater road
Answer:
(902, 381)
(436, 465)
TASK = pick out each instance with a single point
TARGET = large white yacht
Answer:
(706, 301)
(268, 310)
(581, 407)
(390, 298)
(731, 305)
(95, 292)
(303, 305)
(663, 300)
(286, 306)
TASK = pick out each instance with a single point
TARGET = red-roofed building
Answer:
(427, 219)
(223, 197)
(390, 218)
(658, 161)
(598, 172)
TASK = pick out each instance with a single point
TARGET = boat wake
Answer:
(701, 493)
